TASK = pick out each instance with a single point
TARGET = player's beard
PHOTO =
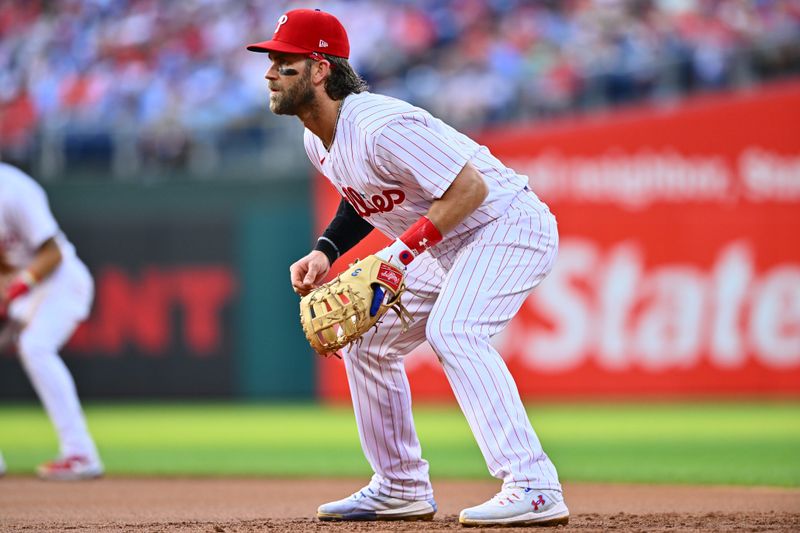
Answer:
(295, 98)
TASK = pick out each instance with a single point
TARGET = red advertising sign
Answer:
(679, 267)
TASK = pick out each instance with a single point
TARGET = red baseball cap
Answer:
(306, 31)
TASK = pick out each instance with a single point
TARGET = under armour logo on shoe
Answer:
(537, 503)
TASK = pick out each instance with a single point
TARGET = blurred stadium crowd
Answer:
(151, 81)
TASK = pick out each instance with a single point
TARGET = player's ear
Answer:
(320, 70)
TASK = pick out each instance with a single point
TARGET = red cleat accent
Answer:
(72, 468)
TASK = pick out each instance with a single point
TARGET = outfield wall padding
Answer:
(192, 290)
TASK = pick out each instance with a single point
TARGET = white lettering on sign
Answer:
(639, 179)
(769, 176)
(775, 325)
(663, 317)
(631, 180)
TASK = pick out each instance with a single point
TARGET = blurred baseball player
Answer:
(45, 292)
(474, 241)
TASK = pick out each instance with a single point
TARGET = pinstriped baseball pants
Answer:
(459, 300)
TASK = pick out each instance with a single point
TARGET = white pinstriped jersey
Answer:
(391, 160)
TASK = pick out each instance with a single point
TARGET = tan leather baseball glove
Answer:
(341, 311)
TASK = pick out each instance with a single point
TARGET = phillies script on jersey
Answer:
(378, 203)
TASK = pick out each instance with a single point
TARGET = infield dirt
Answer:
(238, 505)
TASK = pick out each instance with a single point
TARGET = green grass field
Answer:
(696, 443)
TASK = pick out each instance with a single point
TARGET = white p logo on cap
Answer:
(281, 22)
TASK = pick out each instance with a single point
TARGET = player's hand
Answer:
(5, 281)
(11, 289)
(307, 273)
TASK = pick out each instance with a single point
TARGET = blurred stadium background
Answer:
(664, 134)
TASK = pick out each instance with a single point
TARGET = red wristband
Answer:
(19, 286)
(421, 236)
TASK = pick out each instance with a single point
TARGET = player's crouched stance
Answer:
(471, 242)
(45, 292)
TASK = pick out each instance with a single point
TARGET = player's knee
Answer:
(32, 349)
(444, 335)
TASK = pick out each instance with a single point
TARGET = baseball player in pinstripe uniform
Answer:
(473, 240)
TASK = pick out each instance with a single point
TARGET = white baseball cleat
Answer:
(368, 504)
(516, 506)
(72, 468)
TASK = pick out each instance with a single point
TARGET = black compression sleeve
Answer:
(345, 231)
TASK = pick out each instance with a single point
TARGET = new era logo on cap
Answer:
(305, 31)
